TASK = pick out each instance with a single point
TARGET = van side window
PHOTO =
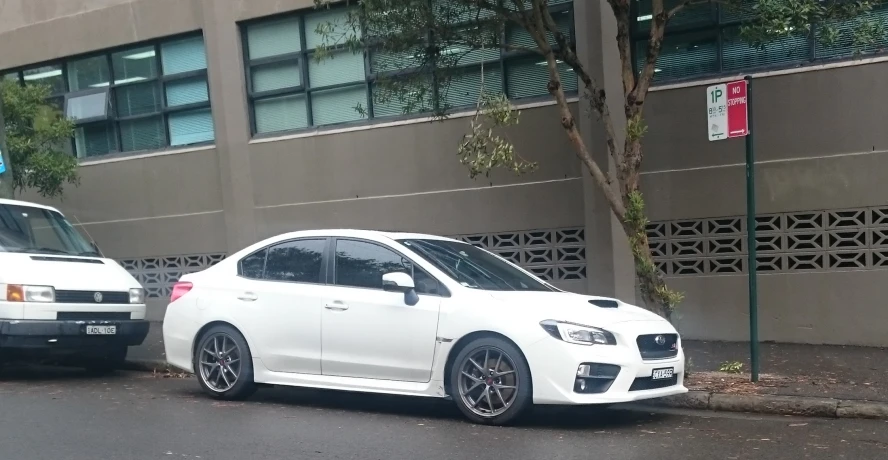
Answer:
(253, 266)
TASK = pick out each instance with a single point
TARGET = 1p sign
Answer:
(726, 110)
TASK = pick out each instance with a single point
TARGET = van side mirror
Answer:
(403, 283)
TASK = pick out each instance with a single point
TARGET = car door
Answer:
(282, 299)
(371, 333)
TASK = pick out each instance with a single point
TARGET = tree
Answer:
(35, 134)
(421, 36)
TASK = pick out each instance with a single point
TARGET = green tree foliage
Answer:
(35, 134)
(428, 41)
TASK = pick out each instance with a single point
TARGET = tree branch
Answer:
(624, 43)
(596, 92)
(568, 122)
(635, 99)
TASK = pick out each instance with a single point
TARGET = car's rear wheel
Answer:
(491, 382)
(224, 364)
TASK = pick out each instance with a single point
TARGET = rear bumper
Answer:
(69, 334)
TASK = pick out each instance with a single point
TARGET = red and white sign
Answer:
(726, 110)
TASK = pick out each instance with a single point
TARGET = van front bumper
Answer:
(69, 334)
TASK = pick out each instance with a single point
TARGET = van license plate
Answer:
(101, 330)
(663, 374)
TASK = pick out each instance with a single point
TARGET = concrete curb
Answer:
(775, 405)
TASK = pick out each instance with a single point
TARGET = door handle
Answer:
(248, 297)
(336, 306)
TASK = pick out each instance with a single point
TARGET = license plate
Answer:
(101, 330)
(663, 374)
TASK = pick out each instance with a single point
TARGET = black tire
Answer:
(107, 363)
(521, 402)
(244, 386)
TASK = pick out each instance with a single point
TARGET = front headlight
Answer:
(137, 295)
(23, 293)
(577, 333)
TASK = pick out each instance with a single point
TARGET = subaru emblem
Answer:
(98, 297)
(660, 340)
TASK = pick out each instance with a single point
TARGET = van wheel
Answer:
(224, 364)
(491, 382)
(107, 363)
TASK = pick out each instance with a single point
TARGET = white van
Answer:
(60, 298)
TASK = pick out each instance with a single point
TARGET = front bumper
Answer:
(554, 364)
(69, 334)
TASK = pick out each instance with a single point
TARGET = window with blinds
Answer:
(289, 89)
(142, 97)
(704, 40)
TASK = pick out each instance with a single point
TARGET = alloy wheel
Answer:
(488, 382)
(220, 362)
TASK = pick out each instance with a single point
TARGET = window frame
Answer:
(323, 273)
(304, 55)
(444, 292)
(112, 118)
(721, 25)
(88, 92)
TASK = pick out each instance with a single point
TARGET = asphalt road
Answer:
(48, 414)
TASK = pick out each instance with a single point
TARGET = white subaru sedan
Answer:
(411, 314)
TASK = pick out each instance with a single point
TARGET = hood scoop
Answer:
(604, 303)
(66, 259)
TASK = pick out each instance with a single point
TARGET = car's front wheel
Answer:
(490, 381)
(224, 364)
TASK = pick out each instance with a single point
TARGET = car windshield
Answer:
(473, 267)
(40, 231)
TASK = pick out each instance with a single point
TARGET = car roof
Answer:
(372, 234)
(28, 204)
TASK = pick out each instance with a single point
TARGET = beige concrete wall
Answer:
(820, 146)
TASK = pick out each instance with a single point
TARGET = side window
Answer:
(253, 266)
(425, 283)
(296, 261)
(361, 264)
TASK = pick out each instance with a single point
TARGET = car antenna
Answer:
(87, 233)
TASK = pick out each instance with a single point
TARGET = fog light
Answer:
(581, 384)
(583, 370)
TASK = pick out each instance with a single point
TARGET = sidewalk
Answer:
(825, 371)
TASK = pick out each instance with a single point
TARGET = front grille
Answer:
(647, 383)
(650, 349)
(93, 316)
(90, 297)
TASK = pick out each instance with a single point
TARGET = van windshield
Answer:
(40, 231)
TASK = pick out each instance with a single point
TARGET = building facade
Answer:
(205, 125)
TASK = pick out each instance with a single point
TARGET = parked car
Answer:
(59, 297)
(412, 314)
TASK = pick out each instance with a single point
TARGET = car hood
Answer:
(65, 272)
(575, 308)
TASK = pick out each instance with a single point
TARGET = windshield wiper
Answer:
(43, 251)
(89, 254)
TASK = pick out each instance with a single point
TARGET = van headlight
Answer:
(578, 333)
(137, 295)
(25, 293)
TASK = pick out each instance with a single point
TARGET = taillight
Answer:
(179, 289)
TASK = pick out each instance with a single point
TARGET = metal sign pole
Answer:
(750, 237)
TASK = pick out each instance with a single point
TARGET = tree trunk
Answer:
(6, 185)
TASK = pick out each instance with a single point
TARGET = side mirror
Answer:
(397, 282)
(403, 283)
